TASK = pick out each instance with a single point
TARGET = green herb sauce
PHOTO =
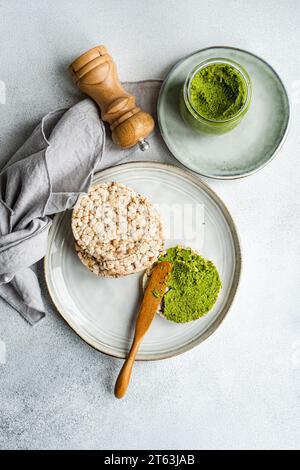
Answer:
(218, 92)
(156, 293)
(193, 286)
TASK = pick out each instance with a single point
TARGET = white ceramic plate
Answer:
(102, 311)
(245, 149)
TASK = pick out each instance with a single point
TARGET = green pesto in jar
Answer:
(218, 92)
(193, 286)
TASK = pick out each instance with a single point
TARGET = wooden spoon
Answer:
(156, 288)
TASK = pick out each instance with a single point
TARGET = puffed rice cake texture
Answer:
(117, 231)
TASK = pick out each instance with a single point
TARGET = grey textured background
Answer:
(239, 389)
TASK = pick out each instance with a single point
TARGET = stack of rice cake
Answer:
(117, 231)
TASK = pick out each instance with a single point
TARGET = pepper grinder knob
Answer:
(144, 145)
(96, 74)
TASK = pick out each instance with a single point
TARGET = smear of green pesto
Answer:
(156, 293)
(193, 286)
(218, 92)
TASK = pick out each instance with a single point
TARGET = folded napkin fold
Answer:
(46, 176)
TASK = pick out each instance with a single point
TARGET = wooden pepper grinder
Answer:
(96, 74)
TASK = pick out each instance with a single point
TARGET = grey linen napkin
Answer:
(46, 176)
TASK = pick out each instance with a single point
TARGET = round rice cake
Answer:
(123, 267)
(113, 222)
(190, 306)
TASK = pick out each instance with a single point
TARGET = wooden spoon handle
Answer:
(155, 290)
(125, 373)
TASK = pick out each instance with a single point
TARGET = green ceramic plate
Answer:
(247, 148)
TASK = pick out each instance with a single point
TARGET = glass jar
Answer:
(203, 124)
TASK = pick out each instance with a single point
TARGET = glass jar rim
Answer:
(205, 63)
